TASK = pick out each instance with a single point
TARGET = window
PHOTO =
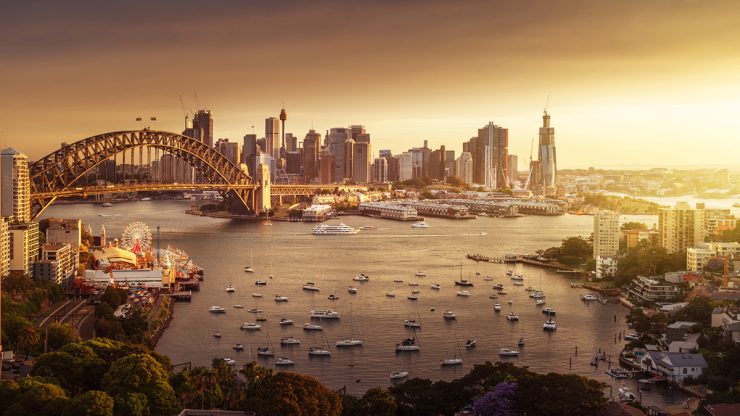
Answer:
(685, 370)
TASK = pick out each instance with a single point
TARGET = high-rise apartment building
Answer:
(547, 156)
(490, 151)
(327, 169)
(606, 233)
(405, 166)
(291, 142)
(449, 164)
(336, 139)
(464, 167)
(681, 227)
(24, 246)
(4, 249)
(15, 186)
(513, 169)
(392, 164)
(311, 150)
(362, 161)
(272, 137)
(380, 170)
(231, 150)
(203, 126)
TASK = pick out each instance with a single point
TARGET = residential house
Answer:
(673, 365)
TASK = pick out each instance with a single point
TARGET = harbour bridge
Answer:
(66, 172)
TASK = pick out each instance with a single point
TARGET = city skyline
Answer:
(620, 76)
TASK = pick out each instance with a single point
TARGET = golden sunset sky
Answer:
(631, 83)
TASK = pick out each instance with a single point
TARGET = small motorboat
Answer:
(255, 310)
(349, 343)
(492, 296)
(498, 286)
(589, 297)
(415, 292)
(309, 286)
(470, 344)
(284, 361)
(256, 295)
(436, 286)
(549, 311)
(508, 352)
(312, 327)
(390, 294)
(549, 325)
(289, 341)
(512, 316)
(238, 306)
(539, 302)
(260, 282)
(367, 227)
(250, 326)
(398, 280)
(238, 347)
(217, 334)
(501, 292)
(362, 277)
(518, 283)
(488, 278)
(449, 315)
(413, 284)
(625, 394)
(397, 375)
(217, 309)
(420, 274)
(279, 298)
(332, 297)
(285, 322)
(521, 342)
(448, 362)
(412, 297)
(497, 307)
(463, 293)
(229, 361)
(318, 352)
(248, 269)
(618, 373)
(352, 290)
(632, 337)
(230, 289)
(261, 319)
(420, 224)
(411, 323)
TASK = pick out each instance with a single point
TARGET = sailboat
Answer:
(463, 282)
(266, 351)
(419, 273)
(456, 360)
(322, 351)
(249, 269)
(351, 341)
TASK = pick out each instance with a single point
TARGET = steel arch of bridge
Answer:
(58, 172)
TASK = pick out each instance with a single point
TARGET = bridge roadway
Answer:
(275, 190)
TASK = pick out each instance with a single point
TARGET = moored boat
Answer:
(508, 352)
(250, 326)
(334, 229)
(397, 375)
(217, 309)
(324, 314)
(448, 314)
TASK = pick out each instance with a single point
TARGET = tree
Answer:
(497, 402)
(559, 394)
(730, 235)
(131, 404)
(292, 394)
(576, 247)
(455, 181)
(198, 388)
(698, 310)
(28, 338)
(37, 398)
(377, 401)
(632, 225)
(90, 403)
(141, 373)
(66, 369)
(59, 335)
(646, 260)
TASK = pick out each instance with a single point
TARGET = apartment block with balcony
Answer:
(651, 289)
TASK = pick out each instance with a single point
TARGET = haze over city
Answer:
(630, 83)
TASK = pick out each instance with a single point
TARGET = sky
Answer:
(630, 83)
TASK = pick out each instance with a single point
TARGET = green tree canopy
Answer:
(37, 398)
(90, 403)
(141, 373)
(377, 402)
(289, 394)
(632, 225)
(59, 335)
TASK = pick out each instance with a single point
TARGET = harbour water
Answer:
(394, 250)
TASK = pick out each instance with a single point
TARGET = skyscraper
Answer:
(272, 137)
(490, 151)
(327, 168)
(380, 170)
(249, 153)
(15, 187)
(203, 126)
(606, 233)
(464, 167)
(546, 155)
(349, 159)
(232, 150)
(311, 149)
(362, 160)
(335, 142)
(513, 168)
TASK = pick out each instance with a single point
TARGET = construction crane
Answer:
(725, 270)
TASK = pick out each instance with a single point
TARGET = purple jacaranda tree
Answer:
(497, 402)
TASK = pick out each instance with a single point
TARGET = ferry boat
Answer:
(284, 361)
(362, 277)
(449, 315)
(279, 298)
(289, 341)
(312, 327)
(508, 352)
(549, 325)
(310, 287)
(407, 345)
(332, 229)
(352, 290)
(250, 326)
(217, 309)
(325, 314)
(285, 322)
(397, 375)
(318, 352)
(420, 224)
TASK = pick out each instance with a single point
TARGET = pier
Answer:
(182, 296)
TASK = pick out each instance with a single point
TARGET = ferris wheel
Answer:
(136, 237)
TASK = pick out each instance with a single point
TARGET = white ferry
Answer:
(331, 229)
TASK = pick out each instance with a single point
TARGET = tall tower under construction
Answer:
(548, 164)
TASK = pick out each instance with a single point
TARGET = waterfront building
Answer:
(606, 233)
(203, 127)
(440, 209)
(4, 249)
(380, 170)
(361, 160)
(24, 246)
(645, 289)
(681, 227)
(311, 151)
(387, 210)
(15, 186)
(547, 156)
(464, 167)
(231, 150)
(606, 266)
(318, 212)
(675, 366)
(698, 256)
